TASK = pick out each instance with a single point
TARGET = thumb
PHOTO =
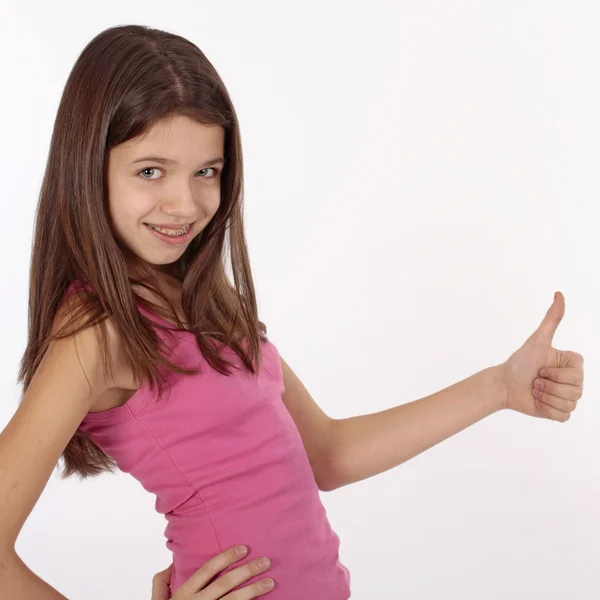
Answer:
(545, 332)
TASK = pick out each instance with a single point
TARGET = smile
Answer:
(171, 232)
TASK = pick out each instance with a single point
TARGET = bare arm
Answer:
(313, 424)
(367, 445)
(61, 392)
(536, 380)
(343, 451)
(19, 582)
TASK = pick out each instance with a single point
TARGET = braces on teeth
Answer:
(166, 232)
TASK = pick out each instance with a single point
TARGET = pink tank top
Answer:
(227, 465)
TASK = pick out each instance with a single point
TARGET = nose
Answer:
(182, 204)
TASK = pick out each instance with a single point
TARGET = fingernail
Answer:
(264, 562)
(268, 584)
(240, 550)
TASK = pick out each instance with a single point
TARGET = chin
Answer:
(163, 263)
(159, 260)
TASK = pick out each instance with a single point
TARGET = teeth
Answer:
(171, 232)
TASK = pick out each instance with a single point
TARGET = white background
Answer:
(420, 178)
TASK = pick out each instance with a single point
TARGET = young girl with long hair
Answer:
(143, 355)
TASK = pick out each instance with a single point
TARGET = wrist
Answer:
(496, 388)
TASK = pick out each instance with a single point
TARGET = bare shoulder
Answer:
(88, 341)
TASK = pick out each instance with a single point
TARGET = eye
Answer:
(147, 169)
(215, 172)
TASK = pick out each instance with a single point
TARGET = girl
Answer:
(143, 356)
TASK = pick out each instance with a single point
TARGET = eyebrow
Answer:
(169, 161)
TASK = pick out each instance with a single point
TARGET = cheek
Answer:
(128, 209)
(212, 202)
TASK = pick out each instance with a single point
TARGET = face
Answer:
(158, 207)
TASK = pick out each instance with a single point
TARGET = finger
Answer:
(545, 332)
(229, 581)
(554, 401)
(212, 568)
(160, 584)
(570, 375)
(259, 588)
(552, 413)
(561, 390)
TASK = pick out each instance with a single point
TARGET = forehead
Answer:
(179, 138)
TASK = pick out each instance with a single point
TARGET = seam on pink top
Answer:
(196, 490)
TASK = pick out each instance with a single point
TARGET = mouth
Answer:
(171, 230)
(171, 235)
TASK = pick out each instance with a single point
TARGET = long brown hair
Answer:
(126, 79)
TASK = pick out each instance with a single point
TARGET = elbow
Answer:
(324, 485)
(328, 475)
(328, 470)
(7, 549)
(331, 481)
(7, 559)
(7, 546)
(327, 487)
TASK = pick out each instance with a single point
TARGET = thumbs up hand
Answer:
(539, 380)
